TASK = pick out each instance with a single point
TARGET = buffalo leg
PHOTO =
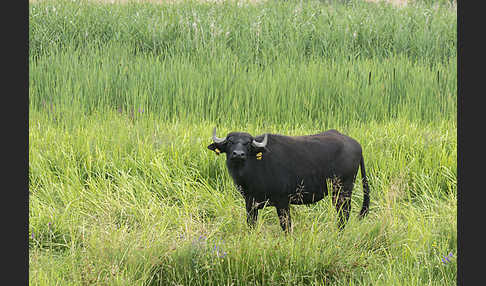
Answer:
(284, 218)
(341, 198)
(251, 212)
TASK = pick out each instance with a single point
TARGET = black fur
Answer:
(294, 170)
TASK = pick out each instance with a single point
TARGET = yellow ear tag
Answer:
(259, 156)
(217, 151)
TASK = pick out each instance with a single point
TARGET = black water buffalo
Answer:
(277, 170)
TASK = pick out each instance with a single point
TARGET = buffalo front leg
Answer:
(284, 218)
(251, 212)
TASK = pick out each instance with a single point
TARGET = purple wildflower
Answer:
(219, 254)
(200, 241)
(446, 258)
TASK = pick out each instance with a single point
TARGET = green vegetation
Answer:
(122, 102)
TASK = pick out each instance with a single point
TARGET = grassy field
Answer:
(122, 102)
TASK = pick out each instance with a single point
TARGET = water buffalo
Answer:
(277, 170)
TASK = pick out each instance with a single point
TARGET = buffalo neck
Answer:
(237, 171)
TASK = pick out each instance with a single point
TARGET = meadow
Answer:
(122, 102)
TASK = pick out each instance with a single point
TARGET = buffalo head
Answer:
(238, 146)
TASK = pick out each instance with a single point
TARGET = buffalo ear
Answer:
(259, 149)
(212, 146)
(217, 148)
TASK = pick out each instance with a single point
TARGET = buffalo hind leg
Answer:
(341, 198)
(251, 212)
(284, 218)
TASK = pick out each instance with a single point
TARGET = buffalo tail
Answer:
(366, 190)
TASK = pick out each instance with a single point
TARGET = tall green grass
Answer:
(334, 91)
(115, 199)
(122, 100)
(288, 62)
(252, 33)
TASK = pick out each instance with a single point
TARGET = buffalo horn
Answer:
(262, 144)
(216, 139)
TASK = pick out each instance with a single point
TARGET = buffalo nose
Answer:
(239, 154)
